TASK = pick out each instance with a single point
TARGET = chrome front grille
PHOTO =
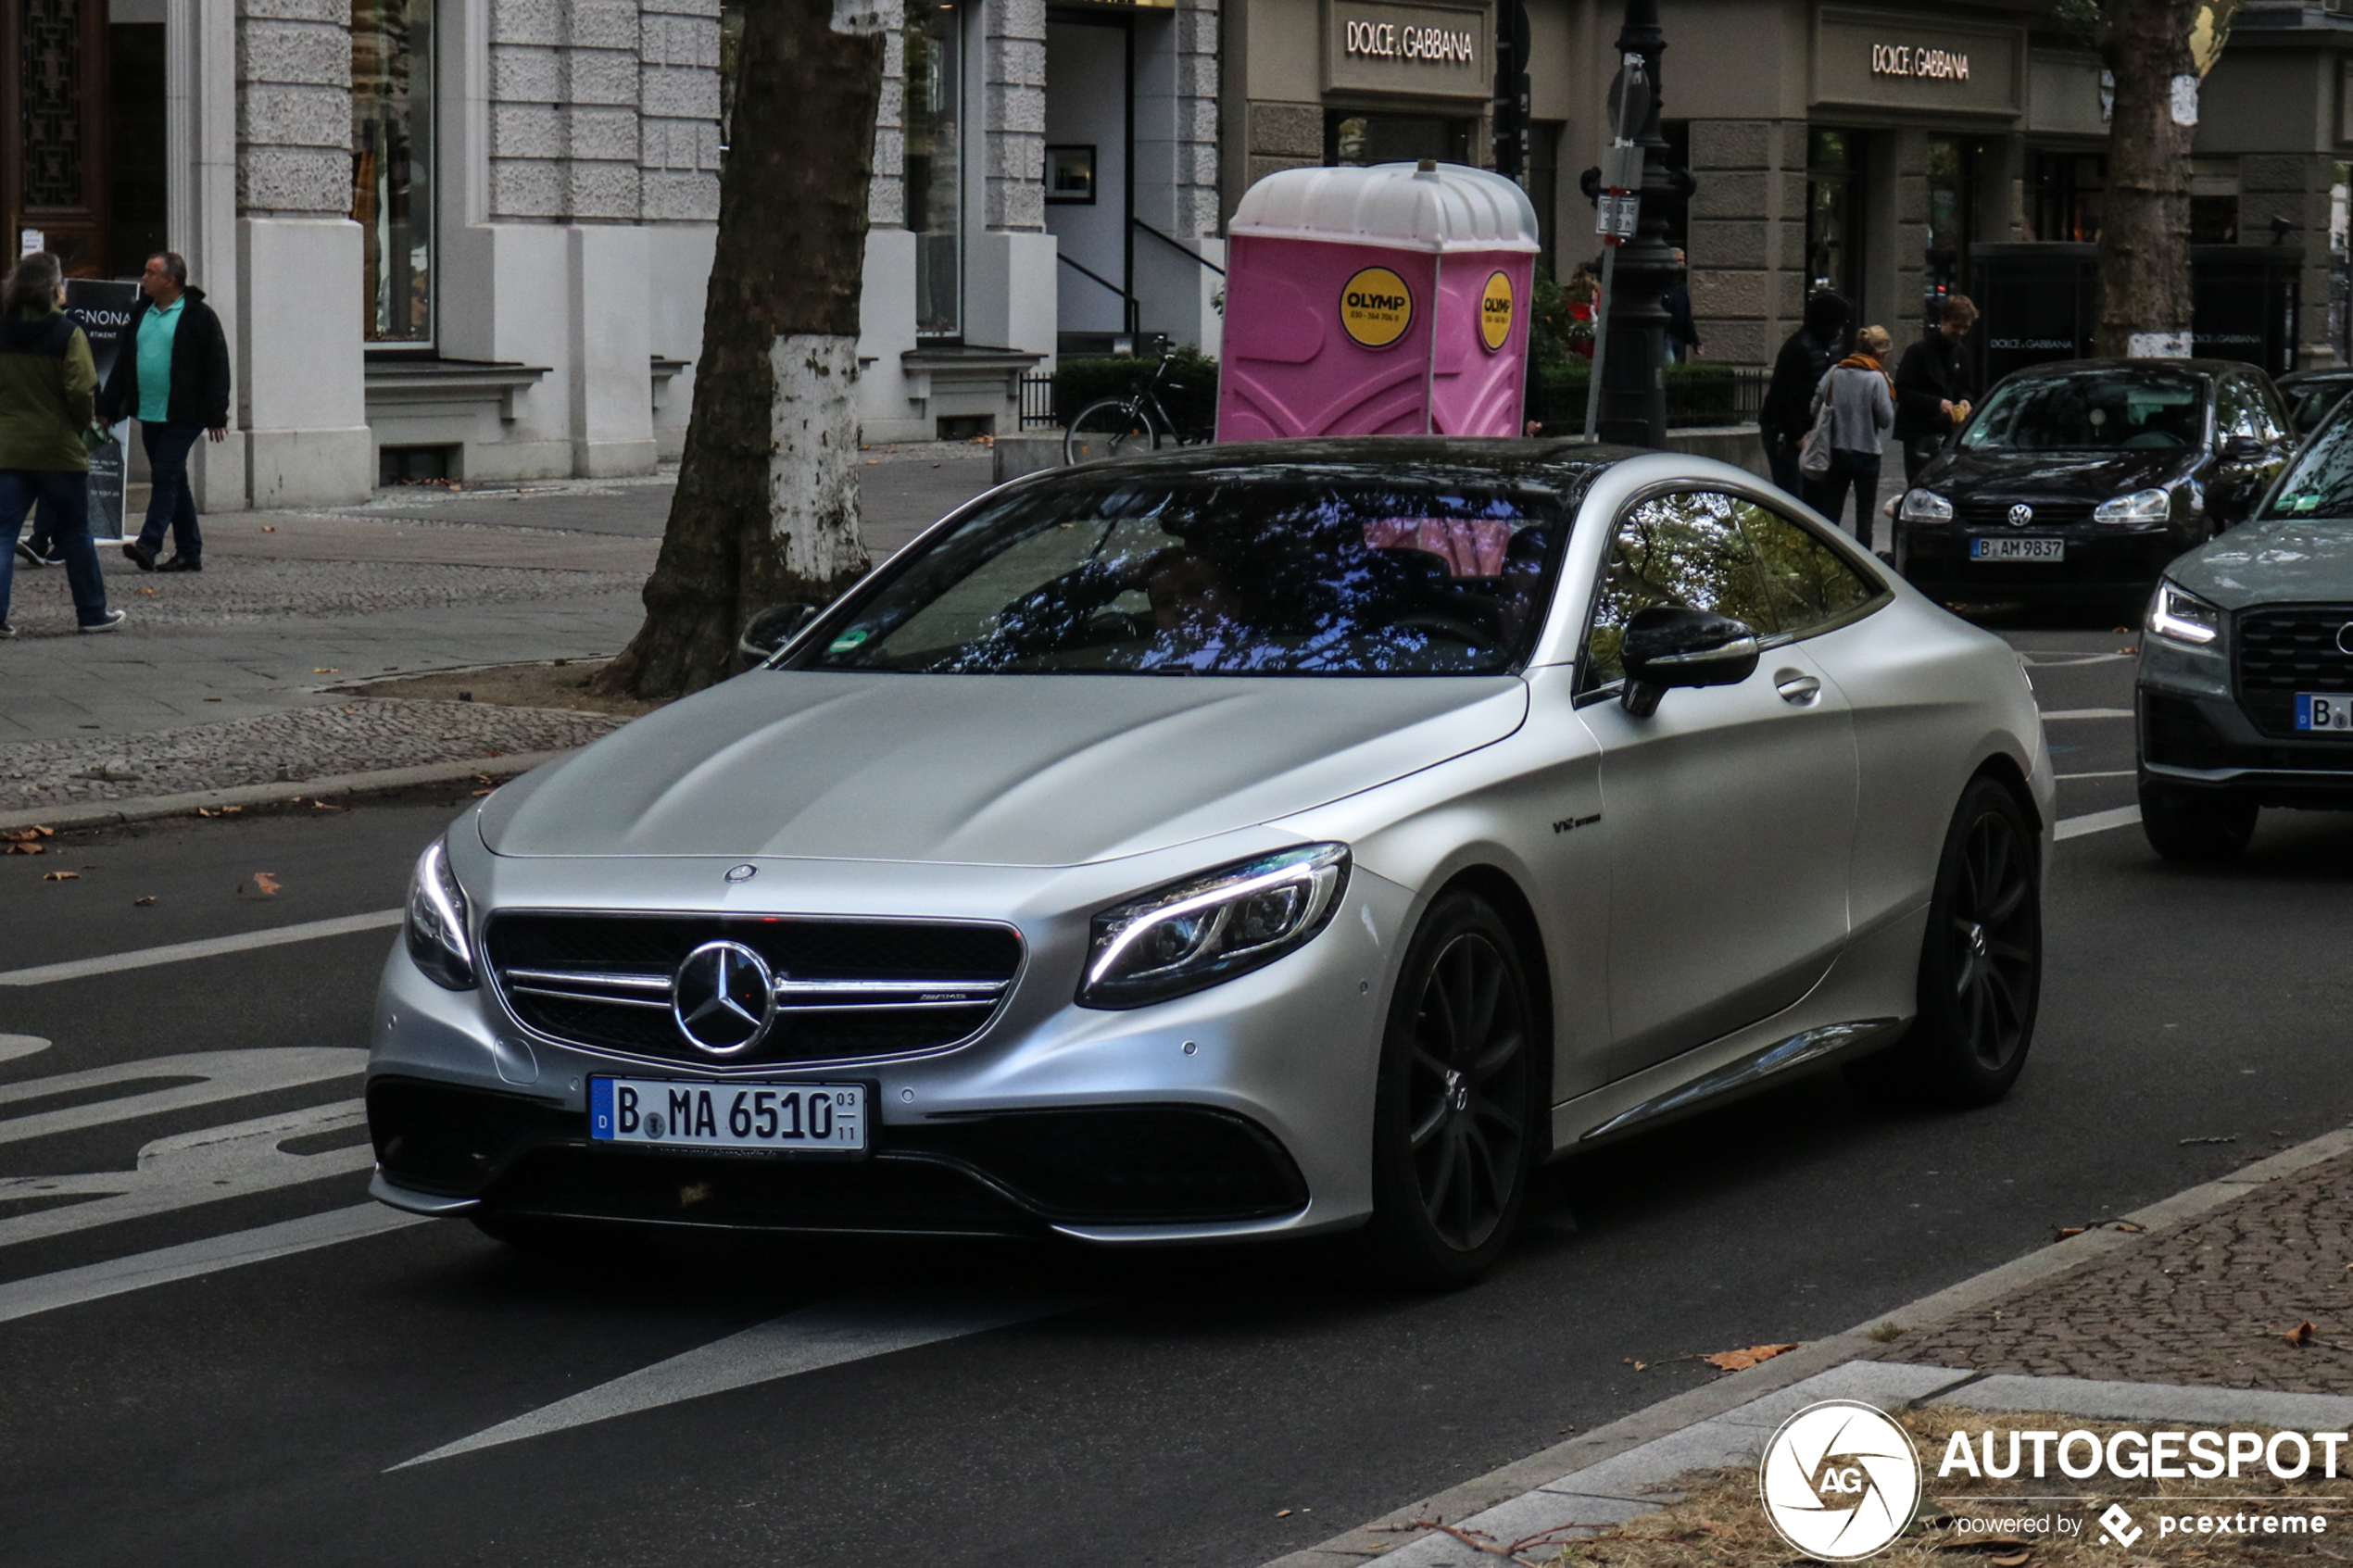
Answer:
(2280, 650)
(845, 989)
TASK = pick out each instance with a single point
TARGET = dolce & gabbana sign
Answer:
(1881, 60)
(1904, 59)
(1428, 51)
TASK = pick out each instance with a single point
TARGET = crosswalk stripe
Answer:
(2098, 821)
(829, 1333)
(211, 946)
(70, 1288)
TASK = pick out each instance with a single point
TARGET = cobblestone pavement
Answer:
(272, 590)
(2210, 1303)
(358, 735)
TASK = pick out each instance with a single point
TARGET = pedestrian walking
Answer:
(1683, 332)
(173, 378)
(1933, 387)
(1861, 400)
(1805, 358)
(49, 386)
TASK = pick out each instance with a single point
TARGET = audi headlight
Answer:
(2141, 506)
(2177, 613)
(436, 925)
(1925, 506)
(1194, 933)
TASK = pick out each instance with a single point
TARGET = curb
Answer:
(115, 813)
(1694, 1407)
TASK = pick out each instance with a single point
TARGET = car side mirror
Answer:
(2244, 450)
(771, 629)
(1668, 646)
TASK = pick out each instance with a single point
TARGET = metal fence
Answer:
(1037, 400)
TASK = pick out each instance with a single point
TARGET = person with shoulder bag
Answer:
(1797, 369)
(1854, 408)
(48, 387)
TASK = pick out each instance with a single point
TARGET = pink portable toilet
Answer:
(1384, 301)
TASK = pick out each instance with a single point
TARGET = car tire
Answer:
(1458, 1115)
(2195, 828)
(1981, 968)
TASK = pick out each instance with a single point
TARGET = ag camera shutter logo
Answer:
(1840, 1481)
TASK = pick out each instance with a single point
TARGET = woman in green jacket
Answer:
(48, 389)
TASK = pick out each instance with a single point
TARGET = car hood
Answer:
(987, 770)
(2028, 476)
(2265, 563)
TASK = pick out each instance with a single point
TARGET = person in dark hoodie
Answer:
(1932, 387)
(1805, 359)
(172, 376)
(47, 387)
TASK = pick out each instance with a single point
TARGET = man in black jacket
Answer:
(172, 375)
(1805, 359)
(1932, 387)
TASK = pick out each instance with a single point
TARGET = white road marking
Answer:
(211, 946)
(221, 1074)
(2111, 773)
(15, 1045)
(2047, 718)
(192, 1168)
(829, 1333)
(71, 1287)
(2098, 821)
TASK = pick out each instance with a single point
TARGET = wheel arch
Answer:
(2004, 770)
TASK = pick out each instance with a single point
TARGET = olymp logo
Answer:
(1840, 1481)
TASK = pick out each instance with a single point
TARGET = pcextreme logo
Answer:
(1495, 312)
(1840, 1481)
(1376, 307)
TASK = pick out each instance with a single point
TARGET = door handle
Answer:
(1796, 687)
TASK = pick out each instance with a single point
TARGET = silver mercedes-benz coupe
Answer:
(1236, 842)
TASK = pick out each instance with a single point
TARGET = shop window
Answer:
(2067, 194)
(934, 163)
(2214, 201)
(1951, 176)
(1834, 217)
(1355, 139)
(392, 166)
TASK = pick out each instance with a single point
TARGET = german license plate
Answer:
(678, 1113)
(2018, 550)
(2324, 710)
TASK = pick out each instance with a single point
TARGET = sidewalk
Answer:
(2181, 1313)
(220, 678)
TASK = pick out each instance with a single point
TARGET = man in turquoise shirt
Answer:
(174, 380)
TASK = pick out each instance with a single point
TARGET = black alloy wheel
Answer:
(1981, 963)
(1456, 1119)
(2195, 827)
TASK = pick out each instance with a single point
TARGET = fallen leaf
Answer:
(1282, 1513)
(149, 593)
(2066, 1231)
(2300, 1335)
(2009, 1559)
(25, 849)
(325, 670)
(2128, 1226)
(1741, 1360)
(480, 793)
(143, 903)
(269, 527)
(323, 805)
(61, 876)
(265, 883)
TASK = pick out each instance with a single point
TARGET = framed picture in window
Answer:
(1070, 176)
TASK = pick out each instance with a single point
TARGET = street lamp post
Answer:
(1633, 387)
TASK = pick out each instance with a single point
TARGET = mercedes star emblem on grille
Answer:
(742, 873)
(724, 999)
(2021, 514)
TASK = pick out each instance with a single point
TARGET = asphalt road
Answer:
(836, 1405)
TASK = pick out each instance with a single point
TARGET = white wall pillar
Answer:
(200, 141)
(611, 380)
(299, 363)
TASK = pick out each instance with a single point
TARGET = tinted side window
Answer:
(1814, 581)
(2235, 409)
(2270, 413)
(1685, 549)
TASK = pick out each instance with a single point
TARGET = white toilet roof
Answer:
(1400, 205)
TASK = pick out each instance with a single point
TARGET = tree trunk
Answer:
(2157, 50)
(766, 510)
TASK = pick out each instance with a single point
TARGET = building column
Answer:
(1177, 172)
(200, 146)
(1011, 288)
(1748, 236)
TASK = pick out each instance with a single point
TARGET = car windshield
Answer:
(1291, 574)
(2134, 409)
(2320, 482)
(2309, 402)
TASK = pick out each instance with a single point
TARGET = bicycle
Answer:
(1115, 427)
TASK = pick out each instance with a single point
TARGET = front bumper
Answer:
(1242, 1109)
(2103, 559)
(2195, 738)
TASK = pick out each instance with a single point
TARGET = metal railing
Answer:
(1037, 400)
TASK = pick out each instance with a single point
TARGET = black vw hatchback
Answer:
(2080, 479)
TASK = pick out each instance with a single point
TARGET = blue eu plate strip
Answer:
(600, 1107)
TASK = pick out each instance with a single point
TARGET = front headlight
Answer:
(438, 940)
(1925, 506)
(2177, 613)
(2141, 506)
(1193, 934)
